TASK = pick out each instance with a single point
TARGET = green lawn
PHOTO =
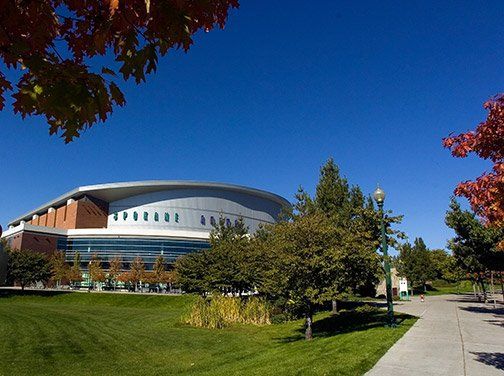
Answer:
(444, 288)
(119, 334)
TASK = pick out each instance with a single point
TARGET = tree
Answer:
(191, 272)
(96, 272)
(348, 210)
(229, 266)
(53, 43)
(115, 269)
(475, 246)
(137, 271)
(26, 267)
(75, 274)
(415, 264)
(229, 255)
(59, 267)
(305, 263)
(486, 193)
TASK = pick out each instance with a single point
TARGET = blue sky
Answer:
(285, 86)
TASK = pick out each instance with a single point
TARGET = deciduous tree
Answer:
(96, 272)
(486, 193)
(53, 44)
(137, 271)
(26, 267)
(115, 269)
(59, 268)
(305, 263)
(475, 246)
(75, 274)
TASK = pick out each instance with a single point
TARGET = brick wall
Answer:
(87, 212)
(43, 243)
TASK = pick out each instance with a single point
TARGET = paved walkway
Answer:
(454, 336)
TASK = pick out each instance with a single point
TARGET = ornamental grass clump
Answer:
(220, 311)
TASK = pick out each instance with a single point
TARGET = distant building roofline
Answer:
(110, 192)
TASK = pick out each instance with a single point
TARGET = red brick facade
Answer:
(43, 243)
(87, 212)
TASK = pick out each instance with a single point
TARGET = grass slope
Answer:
(118, 334)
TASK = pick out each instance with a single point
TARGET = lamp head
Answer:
(379, 195)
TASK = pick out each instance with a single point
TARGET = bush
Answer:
(366, 308)
(279, 318)
(220, 311)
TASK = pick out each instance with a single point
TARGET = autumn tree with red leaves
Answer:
(486, 193)
(52, 43)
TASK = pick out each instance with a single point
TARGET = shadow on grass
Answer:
(491, 359)
(345, 322)
(7, 293)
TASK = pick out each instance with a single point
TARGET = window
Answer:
(146, 216)
(156, 217)
(167, 217)
(228, 222)
(125, 215)
(176, 217)
(203, 220)
(236, 222)
(212, 221)
(135, 216)
(116, 216)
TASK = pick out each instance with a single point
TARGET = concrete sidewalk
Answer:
(454, 336)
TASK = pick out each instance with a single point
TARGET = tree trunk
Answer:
(502, 285)
(484, 291)
(334, 307)
(309, 330)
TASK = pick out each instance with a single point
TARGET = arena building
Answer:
(146, 219)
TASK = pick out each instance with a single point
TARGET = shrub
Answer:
(366, 308)
(220, 311)
(279, 318)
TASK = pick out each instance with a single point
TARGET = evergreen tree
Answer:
(415, 264)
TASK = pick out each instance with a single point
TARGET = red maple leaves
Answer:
(486, 193)
(53, 43)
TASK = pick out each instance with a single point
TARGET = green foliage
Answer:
(232, 265)
(220, 311)
(415, 264)
(475, 246)
(26, 267)
(445, 266)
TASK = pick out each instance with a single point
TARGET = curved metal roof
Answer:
(116, 191)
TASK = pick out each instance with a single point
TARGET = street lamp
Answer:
(379, 196)
(89, 276)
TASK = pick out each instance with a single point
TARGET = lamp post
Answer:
(379, 196)
(89, 276)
